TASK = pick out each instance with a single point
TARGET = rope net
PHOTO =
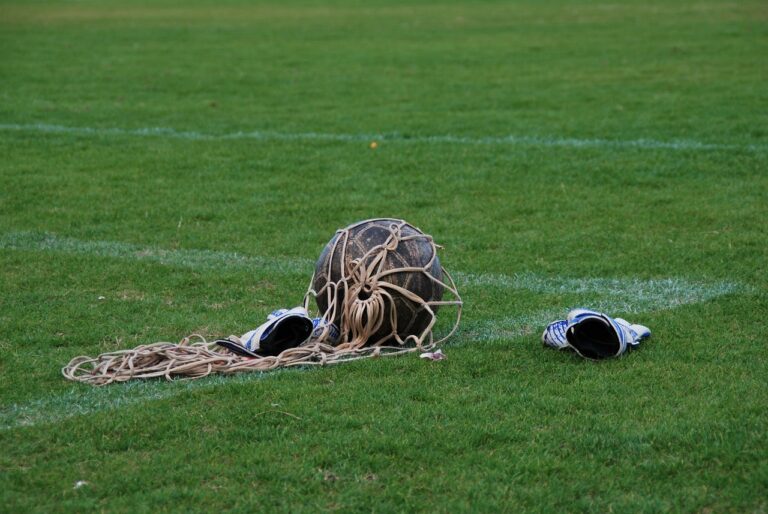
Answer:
(383, 296)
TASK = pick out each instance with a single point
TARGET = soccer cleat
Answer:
(595, 335)
(554, 335)
(285, 328)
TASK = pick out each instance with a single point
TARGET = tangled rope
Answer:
(362, 299)
(183, 360)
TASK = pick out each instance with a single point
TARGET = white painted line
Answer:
(265, 135)
(78, 400)
(626, 295)
(511, 327)
(205, 259)
(616, 297)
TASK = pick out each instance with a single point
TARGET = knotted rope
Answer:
(361, 298)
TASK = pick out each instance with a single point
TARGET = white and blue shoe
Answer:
(285, 328)
(595, 335)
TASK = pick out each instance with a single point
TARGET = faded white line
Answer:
(78, 400)
(264, 135)
(617, 297)
(41, 241)
(626, 295)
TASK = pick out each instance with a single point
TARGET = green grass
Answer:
(632, 178)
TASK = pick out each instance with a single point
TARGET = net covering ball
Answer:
(383, 261)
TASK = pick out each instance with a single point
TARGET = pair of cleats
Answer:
(284, 329)
(594, 335)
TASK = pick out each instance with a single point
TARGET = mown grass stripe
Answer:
(262, 135)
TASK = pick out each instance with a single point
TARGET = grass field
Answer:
(169, 168)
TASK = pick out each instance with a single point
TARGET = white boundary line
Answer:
(625, 295)
(78, 401)
(260, 135)
(204, 259)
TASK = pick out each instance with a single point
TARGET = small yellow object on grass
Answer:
(374, 145)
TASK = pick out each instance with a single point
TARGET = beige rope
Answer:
(361, 316)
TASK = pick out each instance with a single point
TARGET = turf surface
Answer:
(176, 167)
